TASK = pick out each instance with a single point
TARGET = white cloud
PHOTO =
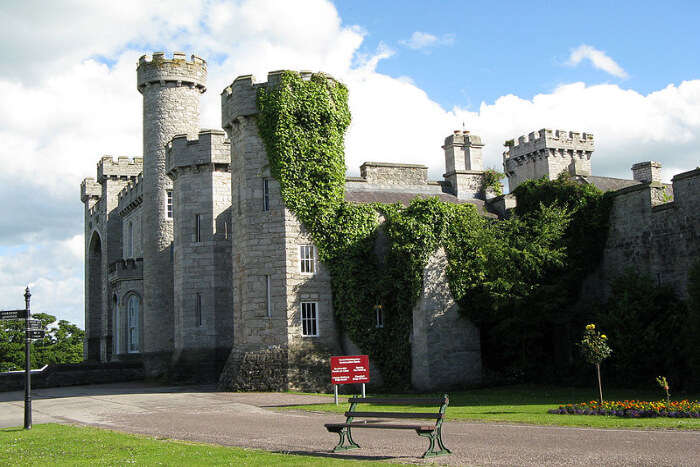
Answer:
(598, 59)
(423, 41)
(63, 108)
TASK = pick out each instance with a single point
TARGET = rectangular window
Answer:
(197, 228)
(380, 316)
(309, 319)
(130, 241)
(307, 257)
(169, 204)
(268, 295)
(198, 309)
(266, 194)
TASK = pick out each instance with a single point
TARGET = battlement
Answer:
(463, 152)
(210, 148)
(107, 167)
(177, 71)
(131, 195)
(239, 98)
(549, 139)
(89, 188)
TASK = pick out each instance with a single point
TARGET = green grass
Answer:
(53, 444)
(529, 404)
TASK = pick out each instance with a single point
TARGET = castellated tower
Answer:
(547, 153)
(272, 287)
(201, 202)
(170, 89)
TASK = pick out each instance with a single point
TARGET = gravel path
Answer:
(254, 420)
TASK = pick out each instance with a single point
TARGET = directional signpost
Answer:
(32, 330)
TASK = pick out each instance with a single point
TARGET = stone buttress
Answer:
(201, 203)
(171, 89)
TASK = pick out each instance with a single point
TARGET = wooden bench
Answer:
(431, 431)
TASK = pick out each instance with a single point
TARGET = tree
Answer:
(594, 347)
(63, 343)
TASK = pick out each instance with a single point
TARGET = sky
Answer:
(625, 71)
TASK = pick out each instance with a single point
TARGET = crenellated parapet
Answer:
(239, 98)
(131, 196)
(211, 149)
(547, 153)
(120, 169)
(90, 190)
(176, 71)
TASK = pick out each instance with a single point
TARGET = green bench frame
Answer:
(432, 432)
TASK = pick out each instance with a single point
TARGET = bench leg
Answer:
(433, 437)
(345, 434)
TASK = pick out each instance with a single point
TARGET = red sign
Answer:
(350, 369)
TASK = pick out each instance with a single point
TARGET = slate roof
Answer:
(608, 183)
(385, 196)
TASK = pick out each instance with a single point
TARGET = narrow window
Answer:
(133, 323)
(309, 319)
(380, 316)
(266, 194)
(198, 309)
(169, 204)
(238, 199)
(130, 241)
(115, 311)
(197, 228)
(307, 256)
(268, 295)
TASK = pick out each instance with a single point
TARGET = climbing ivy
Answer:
(376, 253)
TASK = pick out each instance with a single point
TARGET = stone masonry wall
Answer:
(201, 267)
(385, 173)
(445, 347)
(659, 240)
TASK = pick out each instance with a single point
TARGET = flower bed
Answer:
(633, 409)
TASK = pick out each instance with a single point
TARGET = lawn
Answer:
(529, 404)
(53, 444)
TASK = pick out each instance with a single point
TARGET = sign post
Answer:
(351, 369)
(27, 364)
(32, 330)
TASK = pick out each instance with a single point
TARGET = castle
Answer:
(194, 266)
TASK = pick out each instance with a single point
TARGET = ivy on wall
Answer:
(491, 264)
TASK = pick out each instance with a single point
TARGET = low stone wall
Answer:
(74, 374)
(278, 368)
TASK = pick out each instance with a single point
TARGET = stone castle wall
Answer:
(655, 238)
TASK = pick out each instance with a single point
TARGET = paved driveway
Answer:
(254, 420)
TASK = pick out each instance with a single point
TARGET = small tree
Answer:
(663, 383)
(594, 347)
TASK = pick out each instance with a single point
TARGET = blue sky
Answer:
(625, 71)
(522, 47)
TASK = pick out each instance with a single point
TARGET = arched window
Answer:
(132, 325)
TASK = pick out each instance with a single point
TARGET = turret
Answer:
(647, 172)
(547, 153)
(171, 88)
(463, 164)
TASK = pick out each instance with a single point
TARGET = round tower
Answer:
(170, 89)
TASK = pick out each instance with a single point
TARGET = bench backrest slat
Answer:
(386, 401)
(434, 416)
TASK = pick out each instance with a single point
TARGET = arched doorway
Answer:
(95, 288)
